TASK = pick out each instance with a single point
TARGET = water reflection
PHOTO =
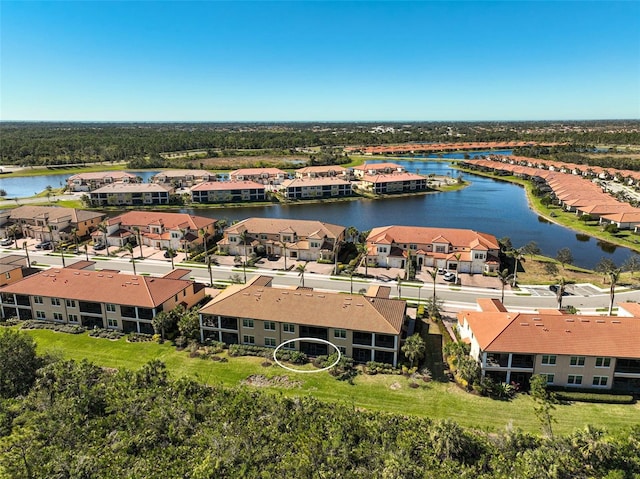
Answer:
(582, 237)
(607, 247)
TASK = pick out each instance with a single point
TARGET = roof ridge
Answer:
(506, 325)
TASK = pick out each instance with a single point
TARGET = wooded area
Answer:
(30, 144)
(77, 420)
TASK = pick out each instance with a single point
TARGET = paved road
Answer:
(585, 298)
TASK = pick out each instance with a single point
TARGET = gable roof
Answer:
(309, 307)
(99, 287)
(133, 188)
(54, 213)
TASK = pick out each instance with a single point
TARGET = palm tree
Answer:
(26, 250)
(204, 233)
(244, 236)
(434, 274)
(283, 244)
(129, 248)
(414, 348)
(139, 240)
(211, 261)
(560, 292)
(614, 276)
(74, 234)
(505, 279)
(13, 232)
(184, 243)
(171, 252)
(362, 249)
(86, 251)
(353, 233)
(238, 260)
(517, 255)
(399, 280)
(102, 227)
(301, 268)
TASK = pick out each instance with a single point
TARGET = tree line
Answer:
(70, 143)
(67, 419)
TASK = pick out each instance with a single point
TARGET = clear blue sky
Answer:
(262, 61)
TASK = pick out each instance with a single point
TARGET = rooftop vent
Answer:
(524, 324)
(615, 322)
(584, 320)
(570, 320)
(600, 320)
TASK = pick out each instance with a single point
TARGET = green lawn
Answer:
(434, 399)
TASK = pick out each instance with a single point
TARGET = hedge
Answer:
(595, 397)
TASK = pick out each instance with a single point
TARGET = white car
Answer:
(449, 276)
(6, 242)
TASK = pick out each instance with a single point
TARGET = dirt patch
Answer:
(234, 162)
(395, 386)
(261, 381)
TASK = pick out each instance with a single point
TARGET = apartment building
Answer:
(104, 299)
(265, 176)
(596, 352)
(98, 179)
(318, 187)
(144, 194)
(461, 250)
(228, 191)
(183, 178)
(366, 328)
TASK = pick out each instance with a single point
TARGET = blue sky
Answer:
(325, 61)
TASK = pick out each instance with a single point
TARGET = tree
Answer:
(211, 261)
(434, 307)
(239, 262)
(399, 281)
(544, 402)
(183, 239)
(531, 248)
(138, 234)
(505, 244)
(632, 263)
(517, 255)
(604, 266)
(205, 234)
(614, 276)
(551, 268)
(189, 324)
(362, 250)
(564, 257)
(301, 268)
(434, 275)
(283, 245)
(102, 227)
(468, 370)
(560, 289)
(13, 233)
(414, 348)
(505, 278)
(165, 321)
(171, 252)
(18, 363)
(353, 233)
(129, 249)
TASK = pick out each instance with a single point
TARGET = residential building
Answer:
(160, 230)
(132, 195)
(228, 191)
(318, 187)
(305, 240)
(98, 179)
(183, 178)
(13, 268)
(381, 184)
(50, 223)
(596, 352)
(265, 176)
(363, 327)
(104, 299)
(466, 251)
(370, 169)
(328, 171)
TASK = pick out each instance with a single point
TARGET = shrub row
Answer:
(595, 397)
(139, 337)
(295, 357)
(106, 333)
(61, 328)
(373, 367)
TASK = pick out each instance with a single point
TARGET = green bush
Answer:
(60, 328)
(373, 367)
(106, 333)
(595, 397)
(139, 338)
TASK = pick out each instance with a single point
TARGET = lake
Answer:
(487, 205)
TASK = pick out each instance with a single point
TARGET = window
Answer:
(111, 308)
(38, 300)
(55, 301)
(7, 275)
(247, 323)
(550, 378)
(269, 326)
(289, 328)
(71, 303)
(603, 362)
(41, 315)
(478, 255)
(58, 317)
(574, 379)
(577, 361)
(340, 333)
(440, 249)
(270, 342)
(112, 323)
(382, 249)
(342, 349)
(548, 359)
(413, 246)
(600, 380)
(248, 339)
(73, 318)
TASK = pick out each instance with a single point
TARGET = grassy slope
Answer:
(436, 400)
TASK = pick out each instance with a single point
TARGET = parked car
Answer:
(99, 246)
(167, 255)
(441, 271)
(6, 242)
(45, 245)
(554, 288)
(449, 276)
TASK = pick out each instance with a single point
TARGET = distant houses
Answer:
(146, 194)
(183, 178)
(265, 176)
(95, 180)
(315, 187)
(228, 191)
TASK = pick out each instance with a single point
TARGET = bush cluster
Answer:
(60, 328)
(106, 333)
(139, 338)
(373, 367)
(295, 357)
(595, 397)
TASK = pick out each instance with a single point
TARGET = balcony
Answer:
(522, 361)
(362, 338)
(628, 366)
(91, 308)
(385, 341)
(497, 360)
(313, 332)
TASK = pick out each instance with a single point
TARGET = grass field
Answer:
(436, 400)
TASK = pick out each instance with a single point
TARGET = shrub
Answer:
(373, 367)
(139, 338)
(595, 397)
(60, 328)
(106, 333)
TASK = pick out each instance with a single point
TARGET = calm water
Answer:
(487, 205)
(31, 185)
